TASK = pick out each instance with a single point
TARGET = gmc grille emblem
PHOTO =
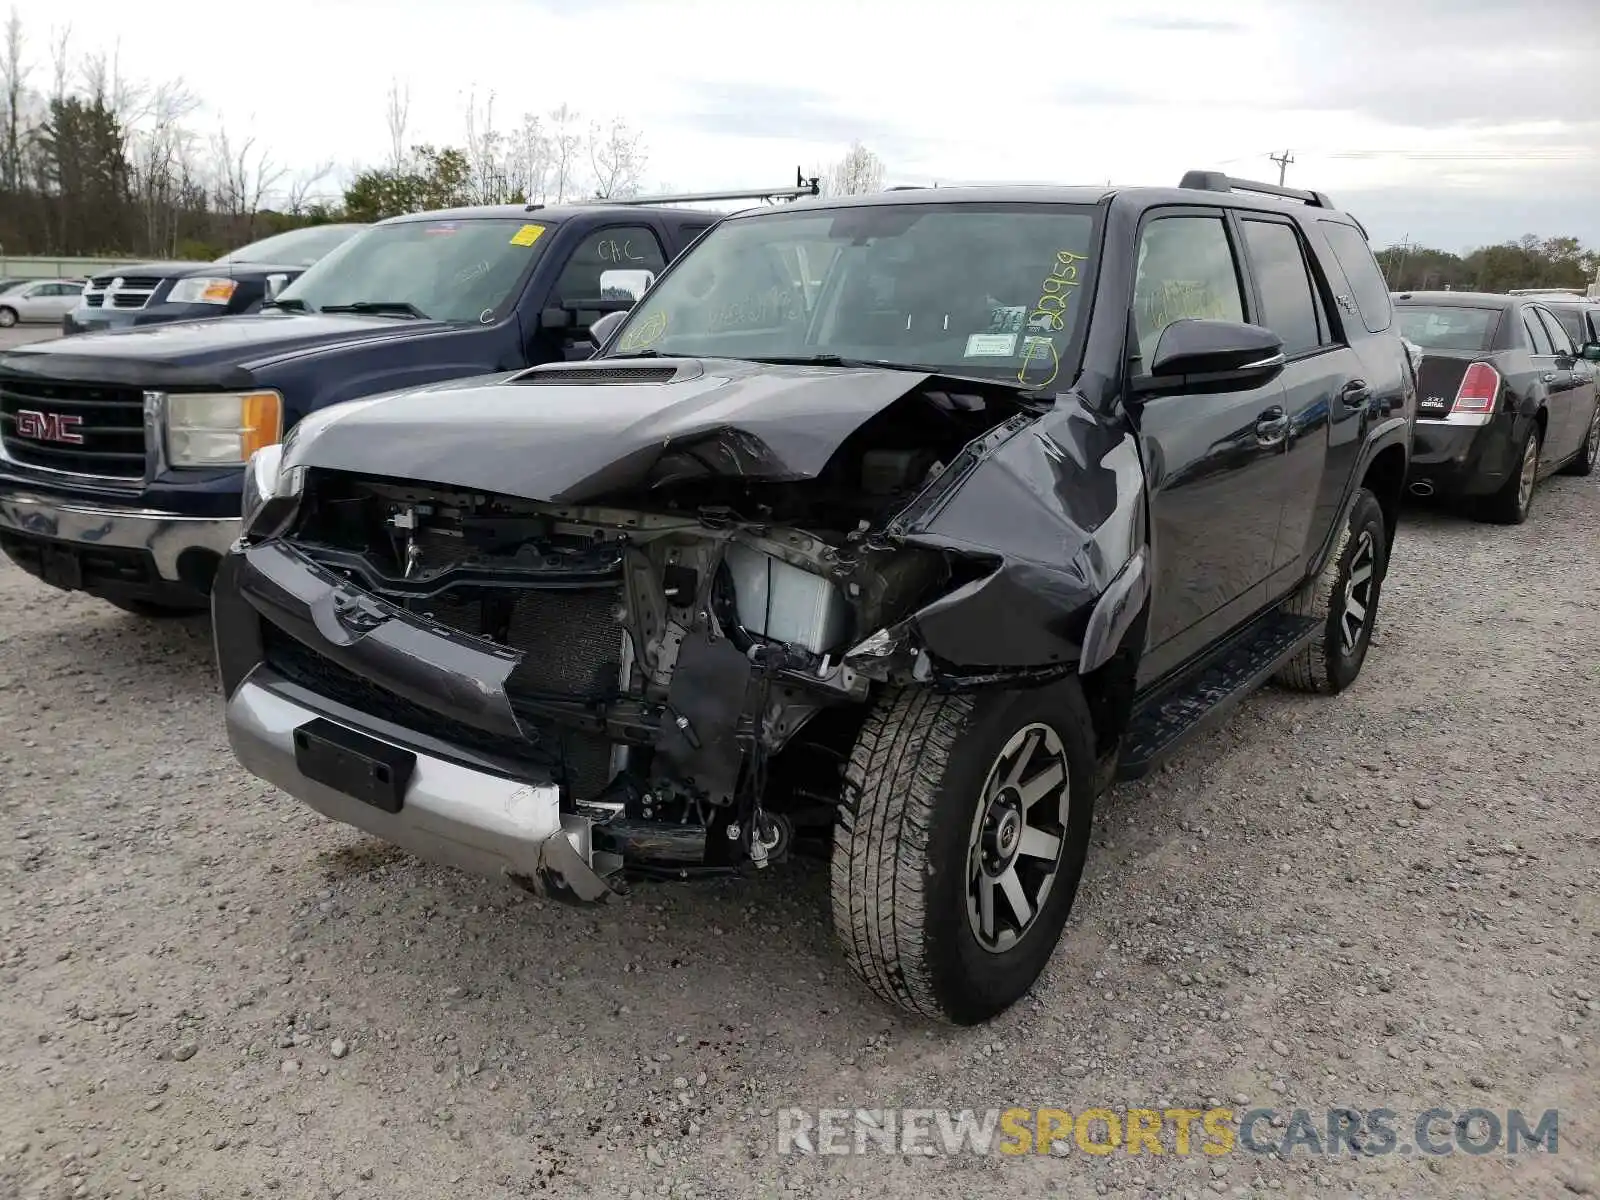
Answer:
(49, 427)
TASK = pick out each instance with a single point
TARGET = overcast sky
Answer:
(1453, 122)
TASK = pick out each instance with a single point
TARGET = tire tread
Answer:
(881, 840)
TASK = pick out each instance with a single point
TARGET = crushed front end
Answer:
(557, 694)
(659, 668)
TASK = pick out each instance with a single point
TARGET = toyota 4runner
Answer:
(912, 520)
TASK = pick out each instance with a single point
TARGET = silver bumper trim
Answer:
(165, 535)
(481, 823)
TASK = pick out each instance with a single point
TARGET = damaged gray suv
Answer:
(902, 523)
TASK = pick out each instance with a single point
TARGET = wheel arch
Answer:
(1385, 478)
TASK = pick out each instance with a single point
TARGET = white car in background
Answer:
(43, 300)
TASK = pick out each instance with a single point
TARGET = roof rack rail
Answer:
(1219, 181)
(803, 186)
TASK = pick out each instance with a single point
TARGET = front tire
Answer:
(8, 317)
(1344, 600)
(961, 840)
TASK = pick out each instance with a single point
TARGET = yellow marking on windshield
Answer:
(645, 333)
(527, 235)
(1049, 315)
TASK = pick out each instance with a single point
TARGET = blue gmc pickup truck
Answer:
(122, 453)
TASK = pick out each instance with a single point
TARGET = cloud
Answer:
(778, 112)
(1438, 64)
(1179, 24)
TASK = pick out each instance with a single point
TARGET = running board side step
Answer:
(1202, 701)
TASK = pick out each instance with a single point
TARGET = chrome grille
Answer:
(120, 291)
(82, 428)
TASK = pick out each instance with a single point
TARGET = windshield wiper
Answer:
(830, 360)
(382, 308)
(884, 364)
(290, 305)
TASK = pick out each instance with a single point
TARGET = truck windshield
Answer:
(996, 290)
(448, 270)
(297, 248)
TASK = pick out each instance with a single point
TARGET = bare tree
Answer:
(618, 156)
(397, 115)
(242, 176)
(14, 71)
(860, 171)
(485, 154)
(530, 160)
(565, 142)
(60, 61)
(297, 194)
(161, 153)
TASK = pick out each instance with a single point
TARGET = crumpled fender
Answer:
(1057, 506)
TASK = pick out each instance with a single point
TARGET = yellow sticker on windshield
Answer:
(527, 235)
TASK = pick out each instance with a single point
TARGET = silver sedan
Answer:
(44, 300)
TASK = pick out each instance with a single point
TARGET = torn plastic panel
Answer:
(1053, 512)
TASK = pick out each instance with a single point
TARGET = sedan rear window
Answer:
(1449, 327)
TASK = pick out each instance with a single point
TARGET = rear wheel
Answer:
(1511, 504)
(960, 844)
(1344, 600)
(1590, 450)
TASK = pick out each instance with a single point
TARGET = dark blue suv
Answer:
(122, 453)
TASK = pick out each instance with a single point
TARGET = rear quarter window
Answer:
(1367, 290)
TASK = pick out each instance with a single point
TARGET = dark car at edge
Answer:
(157, 293)
(1506, 398)
(899, 525)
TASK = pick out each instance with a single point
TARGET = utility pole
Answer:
(1283, 160)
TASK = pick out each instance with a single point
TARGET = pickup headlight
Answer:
(271, 494)
(202, 289)
(221, 429)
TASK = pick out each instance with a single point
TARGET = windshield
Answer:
(995, 290)
(297, 248)
(466, 270)
(1449, 327)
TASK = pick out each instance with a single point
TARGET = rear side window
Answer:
(1448, 326)
(1538, 339)
(1368, 291)
(1288, 303)
(1572, 321)
(1558, 335)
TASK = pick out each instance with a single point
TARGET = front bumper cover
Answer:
(468, 809)
(184, 550)
(451, 813)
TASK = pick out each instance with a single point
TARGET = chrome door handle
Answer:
(1548, 377)
(1272, 426)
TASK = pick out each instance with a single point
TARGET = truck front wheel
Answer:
(962, 834)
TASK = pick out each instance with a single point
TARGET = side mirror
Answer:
(1590, 352)
(275, 285)
(600, 332)
(1209, 355)
(625, 284)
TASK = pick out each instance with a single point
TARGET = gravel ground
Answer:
(1384, 899)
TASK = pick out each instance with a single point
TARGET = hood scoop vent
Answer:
(612, 371)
